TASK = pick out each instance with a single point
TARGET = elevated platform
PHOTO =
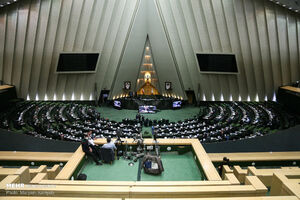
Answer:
(7, 93)
(290, 97)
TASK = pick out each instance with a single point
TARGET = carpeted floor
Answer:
(177, 168)
(173, 115)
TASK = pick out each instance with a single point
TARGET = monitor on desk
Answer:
(117, 104)
(147, 109)
(177, 104)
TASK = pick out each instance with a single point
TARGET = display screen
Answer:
(177, 104)
(77, 62)
(117, 104)
(217, 63)
(147, 109)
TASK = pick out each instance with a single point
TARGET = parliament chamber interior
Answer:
(149, 99)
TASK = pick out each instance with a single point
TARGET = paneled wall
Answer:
(264, 36)
(34, 32)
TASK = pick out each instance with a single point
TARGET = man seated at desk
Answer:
(109, 144)
(107, 151)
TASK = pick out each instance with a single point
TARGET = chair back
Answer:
(107, 155)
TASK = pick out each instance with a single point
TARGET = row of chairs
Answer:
(216, 121)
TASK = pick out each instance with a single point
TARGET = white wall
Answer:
(264, 37)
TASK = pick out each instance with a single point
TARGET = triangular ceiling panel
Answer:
(147, 26)
(147, 74)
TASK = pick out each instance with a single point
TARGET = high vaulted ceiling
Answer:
(264, 37)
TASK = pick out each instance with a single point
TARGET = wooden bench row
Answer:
(253, 187)
(265, 175)
(256, 156)
(230, 179)
(28, 174)
(35, 156)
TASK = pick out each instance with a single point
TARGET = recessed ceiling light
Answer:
(7, 3)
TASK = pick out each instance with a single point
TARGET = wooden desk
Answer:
(34, 156)
(137, 183)
(255, 156)
(149, 141)
(4, 87)
(290, 88)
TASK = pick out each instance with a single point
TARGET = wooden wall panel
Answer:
(292, 44)
(23, 12)
(29, 48)
(237, 82)
(170, 21)
(10, 39)
(264, 48)
(123, 29)
(281, 22)
(39, 49)
(49, 49)
(61, 32)
(273, 42)
(2, 40)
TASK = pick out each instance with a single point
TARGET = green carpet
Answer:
(177, 168)
(173, 115)
(119, 170)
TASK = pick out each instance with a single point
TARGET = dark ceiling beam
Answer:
(293, 5)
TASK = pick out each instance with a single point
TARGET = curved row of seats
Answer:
(216, 121)
(222, 121)
(63, 121)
